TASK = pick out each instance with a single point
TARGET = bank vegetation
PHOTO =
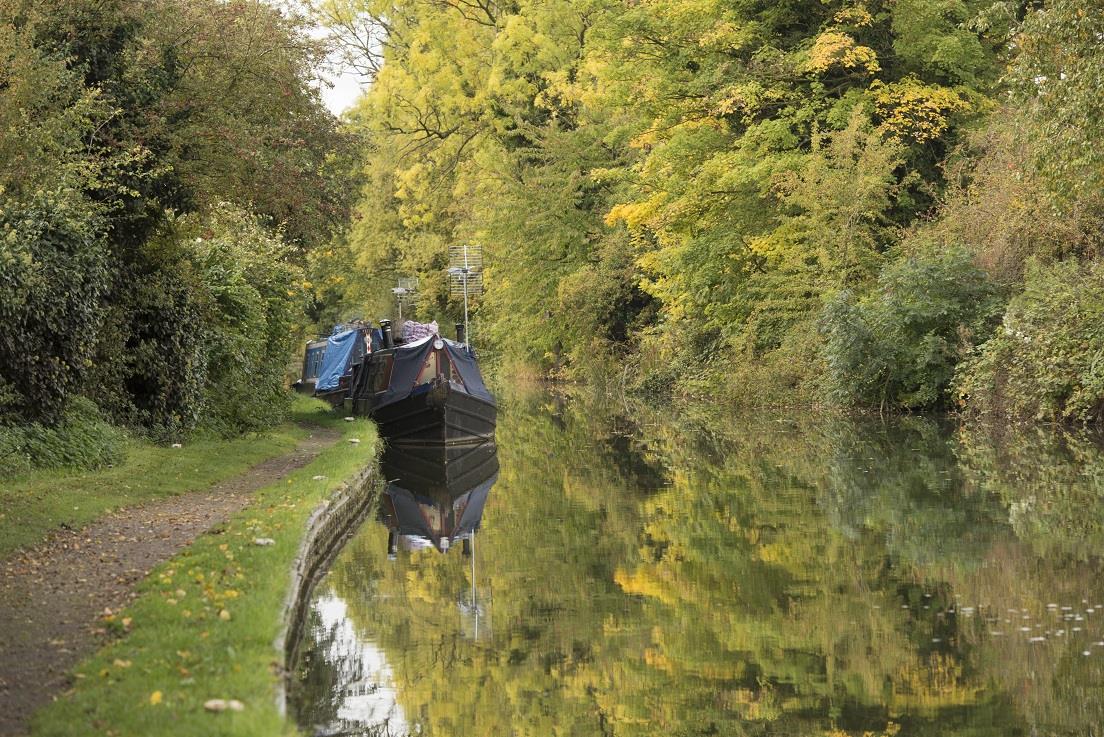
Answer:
(874, 204)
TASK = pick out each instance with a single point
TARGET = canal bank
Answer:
(196, 652)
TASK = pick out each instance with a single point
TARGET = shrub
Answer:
(1046, 361)
(82, 439)
(899, 345)
(252, 295)
(150, 366)
(52, 274)
(201, 334)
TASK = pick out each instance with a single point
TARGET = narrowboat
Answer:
(425, 389)
(328, 364)
(312, 366)
(429, 390)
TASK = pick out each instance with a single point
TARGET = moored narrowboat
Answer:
(427, 389)
(328, 364)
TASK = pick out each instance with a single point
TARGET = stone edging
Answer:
(331, 524)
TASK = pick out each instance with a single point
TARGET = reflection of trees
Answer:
(323, 673)
(746, 577)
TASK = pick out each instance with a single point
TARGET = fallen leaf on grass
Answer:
(224, 615)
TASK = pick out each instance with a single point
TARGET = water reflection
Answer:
(655, 575)
(434, 499)
(436, 493)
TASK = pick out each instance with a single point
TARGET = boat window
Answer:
(430, 369)
(314, 362)
(382, 376)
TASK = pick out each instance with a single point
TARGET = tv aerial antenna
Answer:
(406, 293)
(465, 277)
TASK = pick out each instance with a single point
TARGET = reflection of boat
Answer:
(436, 494)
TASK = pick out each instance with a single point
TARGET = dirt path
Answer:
(52, 595)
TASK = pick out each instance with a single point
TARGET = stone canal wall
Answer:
(329, 527)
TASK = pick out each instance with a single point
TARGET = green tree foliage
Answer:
(1031, 210)
(900, 344)
(224, 299)
(1058, 75)
(53, 269)
(671, 179)
(165, 167)
(252, 300)
(53, 274)
(1000, 205)
(1045, 361)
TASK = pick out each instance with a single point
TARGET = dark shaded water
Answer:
(705, 575)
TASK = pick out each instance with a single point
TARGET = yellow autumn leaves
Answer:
(836, 50)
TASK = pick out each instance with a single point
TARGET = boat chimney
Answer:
(460, 336)
(388, 338)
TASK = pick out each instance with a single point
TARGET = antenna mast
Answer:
(406, 294)
(465, 276)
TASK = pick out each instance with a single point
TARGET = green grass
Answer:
(32, 506)
(174, 647)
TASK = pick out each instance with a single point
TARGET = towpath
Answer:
(53, 596)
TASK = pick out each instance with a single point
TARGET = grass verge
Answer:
(204, 624)
(42, 501)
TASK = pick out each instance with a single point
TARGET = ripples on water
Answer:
(699, 575)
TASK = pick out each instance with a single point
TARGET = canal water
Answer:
(641, 573)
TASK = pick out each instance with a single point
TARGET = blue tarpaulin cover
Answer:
(339, 350)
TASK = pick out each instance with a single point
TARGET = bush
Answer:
(1046, 362)
(899, 346)
(253, 295)
(199, 337)
(150, 366)
(82, 440)
(52, 274)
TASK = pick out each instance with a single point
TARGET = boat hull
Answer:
(439, 415)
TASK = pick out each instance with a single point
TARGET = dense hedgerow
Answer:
(203, 336)
(125, 127)
(53, 272)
